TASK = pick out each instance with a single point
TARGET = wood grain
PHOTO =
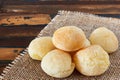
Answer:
(9, 53)
(33, 19)
(53, 9)
(67, 2)
(20, 30)
(15, 41)
(20, 36)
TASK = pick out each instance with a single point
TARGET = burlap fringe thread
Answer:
(7, 68)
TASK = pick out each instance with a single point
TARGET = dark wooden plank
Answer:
(19, 36)
(20, 31)
(5, 62)
(15, 41)
(53, 9)
(51, 2)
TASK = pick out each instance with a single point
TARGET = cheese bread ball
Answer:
(57, 64)
(92, 61)
(39, 47)
(69, 38)
(105, 38)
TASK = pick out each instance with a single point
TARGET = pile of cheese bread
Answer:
(69, 48)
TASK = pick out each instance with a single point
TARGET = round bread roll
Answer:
(57, 64)
(92, 61)
(105, 38)
(69, 38)
(39, 47)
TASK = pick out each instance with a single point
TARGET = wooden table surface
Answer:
(22, 20)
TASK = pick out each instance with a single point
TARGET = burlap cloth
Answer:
(24, 68)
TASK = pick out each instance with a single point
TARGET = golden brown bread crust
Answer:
(57, 63)
(105, 38)
(39, 47)
(69, 38)
(92, 61)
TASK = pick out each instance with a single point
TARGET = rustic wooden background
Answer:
(22, 20)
